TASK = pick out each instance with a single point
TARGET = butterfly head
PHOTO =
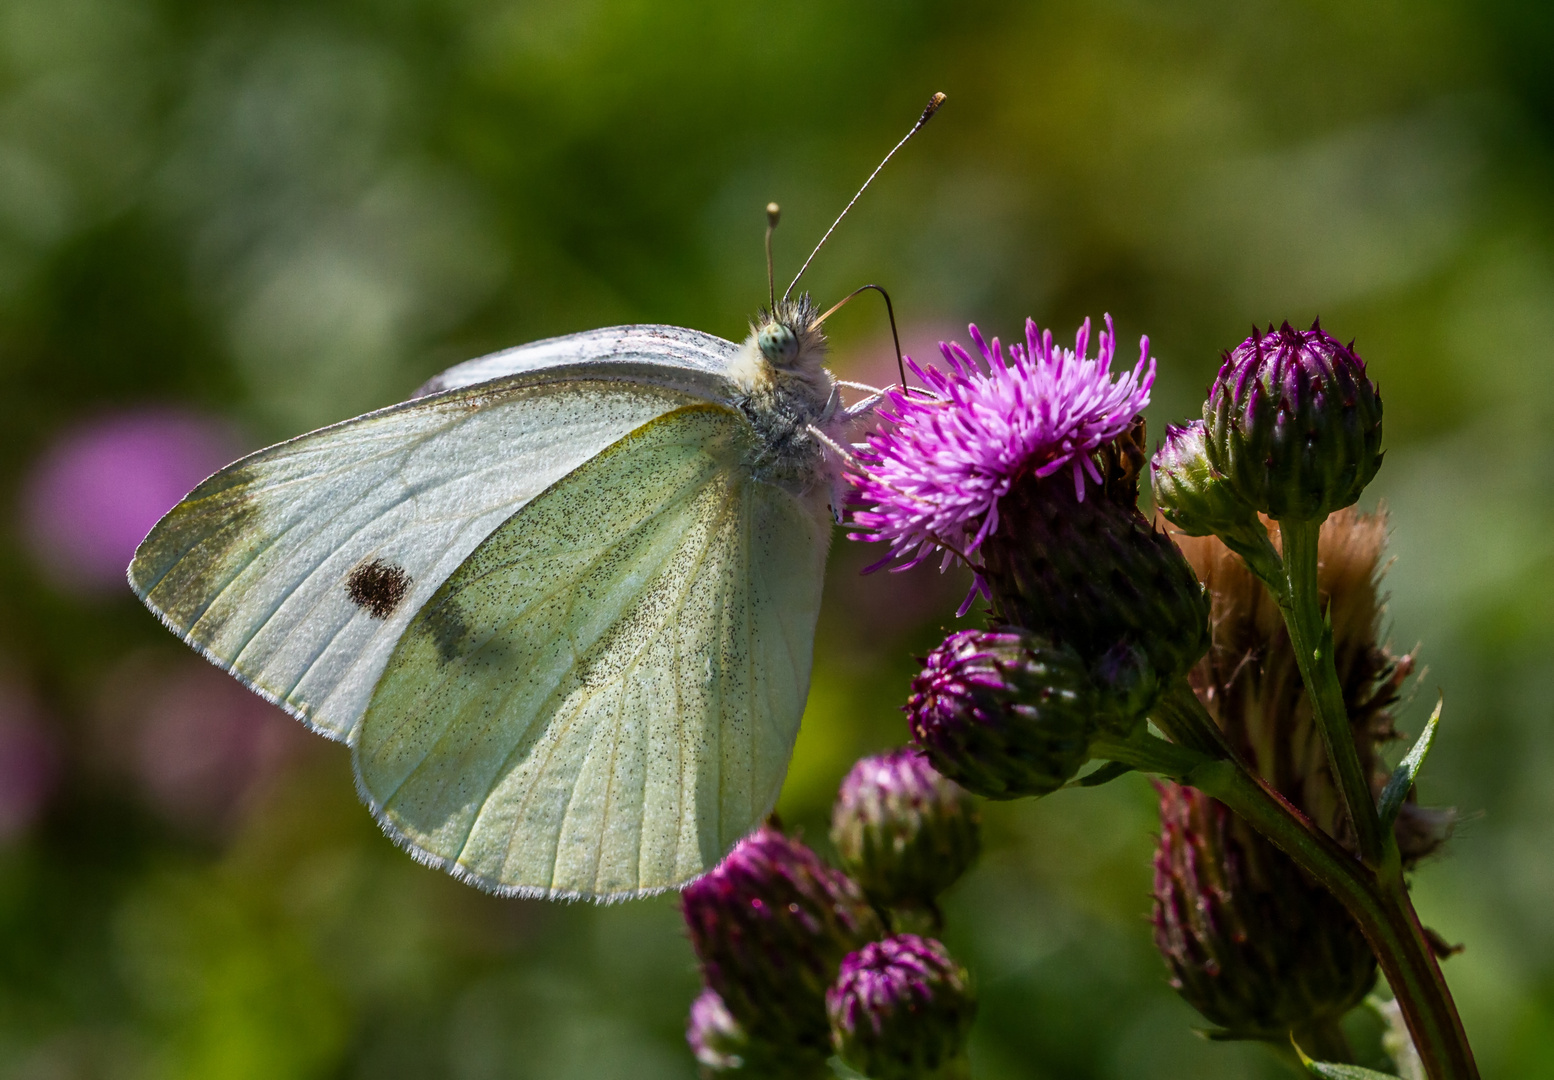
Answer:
(790, 338)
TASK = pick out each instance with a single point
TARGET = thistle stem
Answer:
(1378, 901)
(1312, 639)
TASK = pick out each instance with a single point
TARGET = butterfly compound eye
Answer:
(778, 343)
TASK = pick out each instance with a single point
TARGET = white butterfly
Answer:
(561, 606)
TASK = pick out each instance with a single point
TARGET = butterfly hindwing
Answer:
(604, 696)
(298, 567)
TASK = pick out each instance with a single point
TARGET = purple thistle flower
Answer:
(900, 1008)
(935, 478)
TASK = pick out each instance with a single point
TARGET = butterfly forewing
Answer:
(604, 696)
(298, 567)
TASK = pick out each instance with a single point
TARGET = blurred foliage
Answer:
(272, 215)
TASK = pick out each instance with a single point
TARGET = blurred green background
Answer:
(223, 224)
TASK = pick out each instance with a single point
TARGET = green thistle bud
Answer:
(904, 832)
(1003, 714)
(1192, 495)
(901, 1009)
(1293, 423)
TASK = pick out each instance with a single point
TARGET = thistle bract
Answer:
(769, 925)
(1294, 423)
(1003, 713)
(1251, 683)
(900, 1008)
(903, 831)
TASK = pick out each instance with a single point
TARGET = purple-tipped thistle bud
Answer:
(903, 831)
(901, 1009)
(770, 924)
(1252, 943)
(1293, 423)
(1003, 713)
(715, 1037)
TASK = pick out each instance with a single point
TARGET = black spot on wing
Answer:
(378, 587)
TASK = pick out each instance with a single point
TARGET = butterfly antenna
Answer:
(933, 107)
(773, 212)
(890, 313)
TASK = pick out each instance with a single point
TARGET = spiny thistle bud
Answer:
(1252, 943)
(903, 831)
(900, 1009)
(1293, 423)
(1003, 713)
(716, 1038)
(770, 924)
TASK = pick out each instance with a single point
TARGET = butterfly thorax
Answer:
(788, 393)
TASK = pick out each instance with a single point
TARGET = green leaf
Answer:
(1329, 1070)
(1104, 775)
(1403, 776)
(844, 1071)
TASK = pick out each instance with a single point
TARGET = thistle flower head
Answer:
(900, 1008)
(770, 924)
(934, 479)
(903, 831)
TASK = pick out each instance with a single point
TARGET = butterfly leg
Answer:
(862, 408)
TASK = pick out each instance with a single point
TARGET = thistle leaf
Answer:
(1403, 776)
(1104, 775)
(1329, 1070)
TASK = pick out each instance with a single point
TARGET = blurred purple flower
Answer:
(198, 743)
(934, 479)
(95, 493)
(28, 761)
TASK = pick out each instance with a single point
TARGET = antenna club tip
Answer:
(933, 107)
(773, 212)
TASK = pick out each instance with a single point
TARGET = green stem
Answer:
(1379, 903)
(1312, 639)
